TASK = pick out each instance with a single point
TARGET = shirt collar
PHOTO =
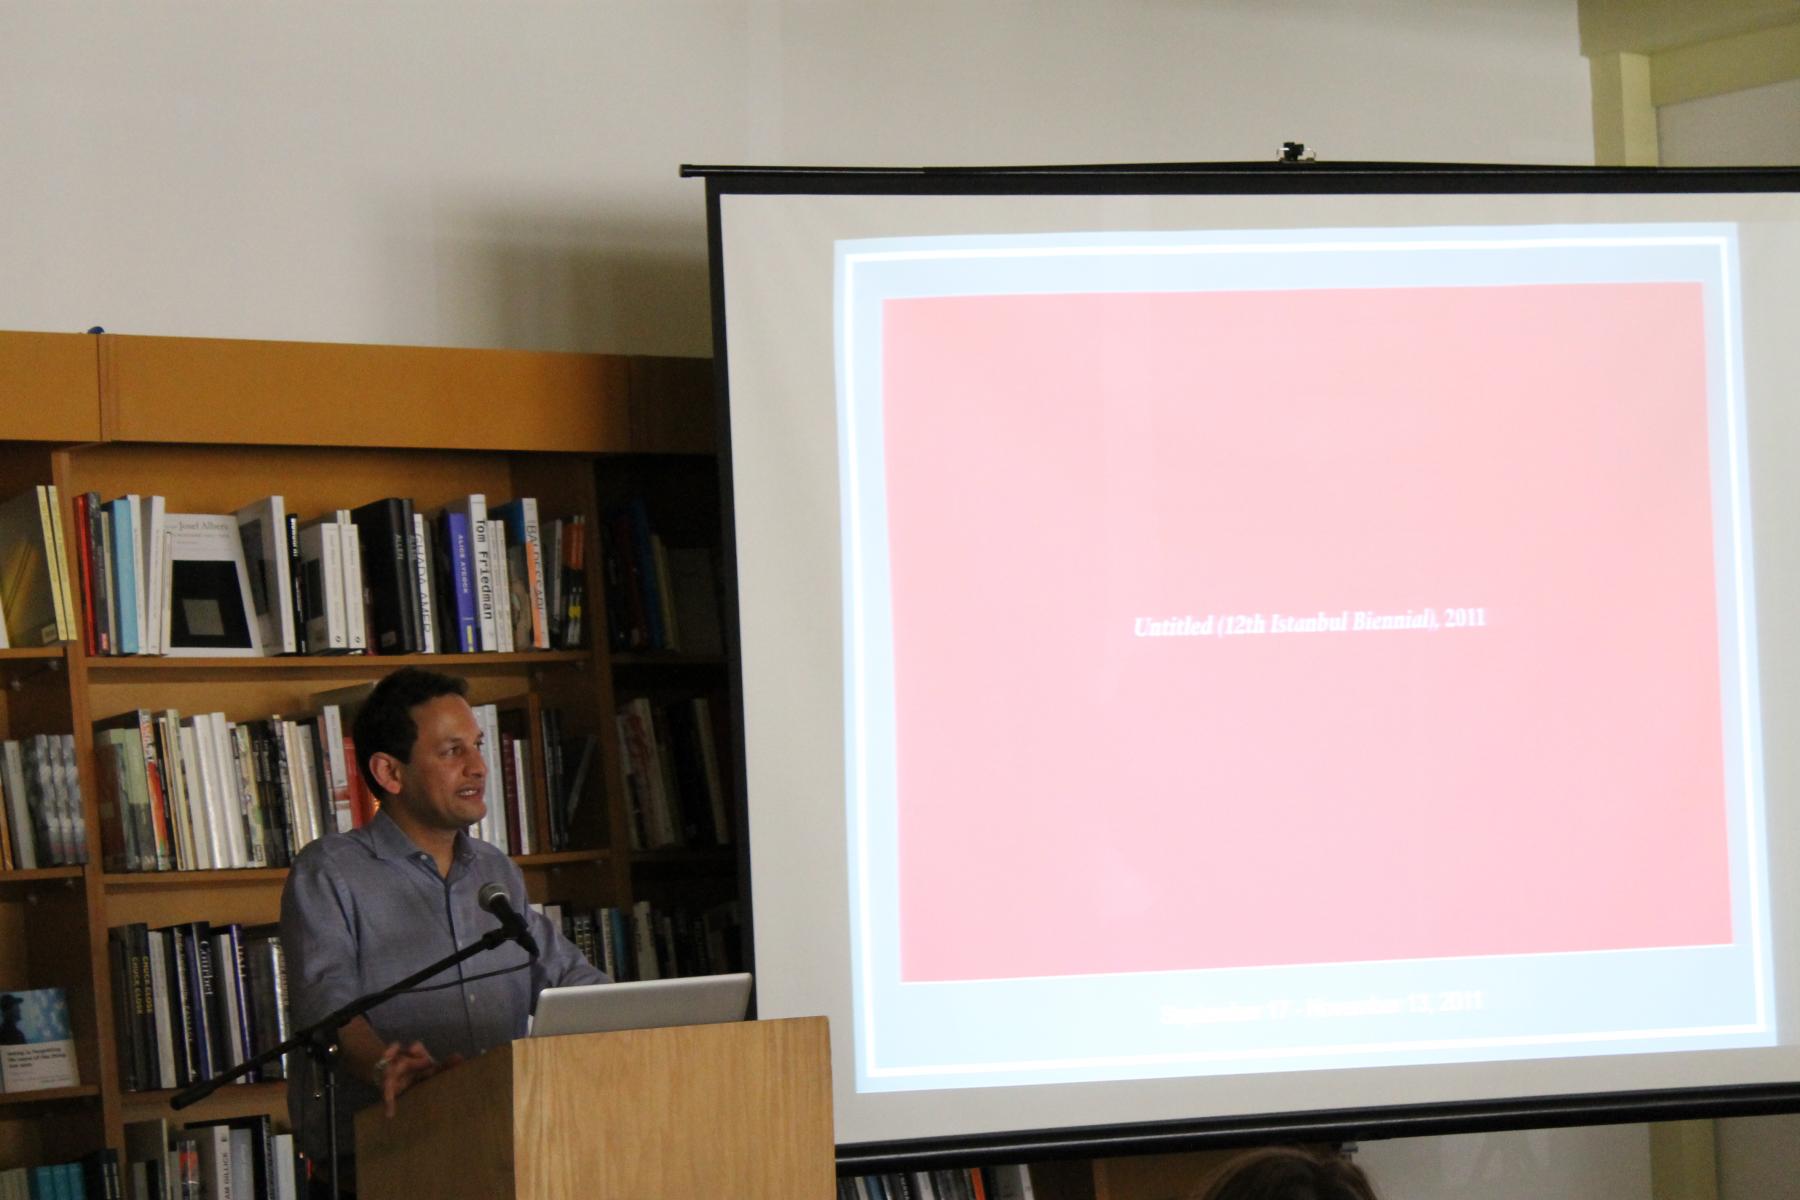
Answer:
(390, 841)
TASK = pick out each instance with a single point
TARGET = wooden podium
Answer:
(701, 1111)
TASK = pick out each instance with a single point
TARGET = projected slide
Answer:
(1278, 650)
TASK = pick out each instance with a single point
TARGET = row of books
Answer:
(239, 1159)
(205, 793)
(953, 1183)
(92, 1177)
(41, 822)
(381, 578)
(674, 783)
(193, 1000)
(658, 596)
(36, 602)
(645, 942)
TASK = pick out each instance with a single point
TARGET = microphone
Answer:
(493, 899)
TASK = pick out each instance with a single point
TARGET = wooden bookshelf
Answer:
(214, 425)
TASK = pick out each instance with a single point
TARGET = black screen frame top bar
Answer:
(1235, 178)
(1252, 178)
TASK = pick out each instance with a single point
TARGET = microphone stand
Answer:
(320, 1041)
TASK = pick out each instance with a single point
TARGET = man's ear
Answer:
(388, 771)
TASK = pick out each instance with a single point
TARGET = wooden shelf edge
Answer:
(62, 1095)
(560, 858)
(32, 653)
(221, 878)
(130, 880)
(41, 874)
(232, 1099)
(339, 663)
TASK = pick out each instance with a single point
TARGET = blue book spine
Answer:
(124, 551)
(462, 569)
(73, 1185)
(646, 559)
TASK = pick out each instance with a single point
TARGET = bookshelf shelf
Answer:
(232, 1100)
(251, 876)
(371, 665)
(13, 1101)
(31, 653)
(40, 875)
(561, 858)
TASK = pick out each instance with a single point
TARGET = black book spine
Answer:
(296, 584)
(280, 834)
(203, 996)
(97, 568)
(131, 1054)
(143, 1004)
(181, 1014)
(385, 530)
(239, 982)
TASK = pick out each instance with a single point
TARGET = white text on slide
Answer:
(1346, 620)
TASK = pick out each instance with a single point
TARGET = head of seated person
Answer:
(1287, 1173)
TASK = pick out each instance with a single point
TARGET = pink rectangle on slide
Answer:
(1076, 799)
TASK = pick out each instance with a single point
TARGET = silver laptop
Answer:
(642, 1004)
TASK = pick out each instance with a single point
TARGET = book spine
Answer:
(60, 592)
(422, 559)
(297, 584)
(462, 572)
(531, 535)
(131, 1052)
(124, 551)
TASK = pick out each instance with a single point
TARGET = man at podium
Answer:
(366, 908)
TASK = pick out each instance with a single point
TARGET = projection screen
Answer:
(1267, 649)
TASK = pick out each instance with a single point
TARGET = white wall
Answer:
(463, 173)
(475, 173)
(1757, 127)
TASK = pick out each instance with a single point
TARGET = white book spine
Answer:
(140, 586)
(528, 834)
(355, 614)
(503, 599)
(207, 845)
(303, 817)
(257, 824)
(159, 1000)
(331, 559)
(337, 765)
(24, 851)
(156, 596)
(421, 556)
(494, 787)
(484, 570)
(306, 782)
(230, 796)
(286, 1187)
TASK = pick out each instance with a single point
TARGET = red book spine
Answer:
(510, 781)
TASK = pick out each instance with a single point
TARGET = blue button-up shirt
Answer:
(363, 910)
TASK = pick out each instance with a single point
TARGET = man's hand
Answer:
(399, 1067)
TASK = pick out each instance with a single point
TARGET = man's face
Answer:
(442, 784)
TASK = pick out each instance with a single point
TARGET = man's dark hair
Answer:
(385, 725)
(1288, 1173)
